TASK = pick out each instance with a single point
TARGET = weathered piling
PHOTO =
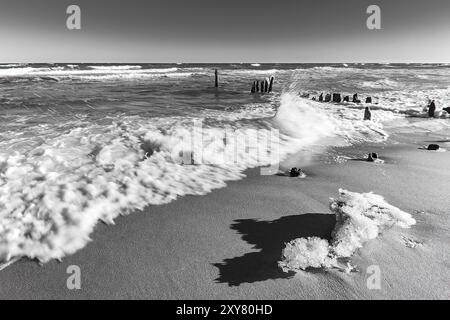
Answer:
(327, 97)
(369, 100)
(271, 83)
(355, 98)
(337, 97)
(262, 86)
(346, 99)
(367, 114)
(321, 97)
(253, 90)
(431, 109)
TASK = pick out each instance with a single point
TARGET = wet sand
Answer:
(226, 245)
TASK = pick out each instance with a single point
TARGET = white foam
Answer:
(360, 217)
(101, 72)
(52, 194)
(121, 67)
(56, 187)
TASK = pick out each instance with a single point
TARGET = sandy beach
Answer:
(226, 245)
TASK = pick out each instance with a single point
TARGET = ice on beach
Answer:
(360, 217)
(302, 253)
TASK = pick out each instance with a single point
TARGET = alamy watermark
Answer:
(373, 281)
(74, 280)
(374, 20)
(73, 21)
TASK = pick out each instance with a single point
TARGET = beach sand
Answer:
(226, 245)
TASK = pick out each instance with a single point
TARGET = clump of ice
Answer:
(303, 253)
(360, 217)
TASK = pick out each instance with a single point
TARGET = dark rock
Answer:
(305, 95)
(314, 98)
(372, 157)
(327, 97)
(433, 147)
(369, 100)
(294, 172)
(446, 109)
(337, 97)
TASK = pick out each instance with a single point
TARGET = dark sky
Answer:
(225, 31)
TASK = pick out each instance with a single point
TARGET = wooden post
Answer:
(253, 87)
(216, 83)
(271, 84)
(257, 85)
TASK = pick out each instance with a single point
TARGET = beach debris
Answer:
(372, 157)
(337, 97)
(216, 82)
(327, 97)
(369, 100)
(294, 172)
(360, 217)
(367, 114)
(431, 109)
(305, 95)
(355, 98)
(433, 147)
(411, 243)
(346, 99)
(321, 97)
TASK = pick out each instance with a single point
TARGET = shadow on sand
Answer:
(270, 237)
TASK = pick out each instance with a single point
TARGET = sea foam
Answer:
(360, 217)
(55, 189)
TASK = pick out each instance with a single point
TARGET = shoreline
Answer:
(225, 245)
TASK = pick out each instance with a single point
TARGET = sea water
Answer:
(83, 143)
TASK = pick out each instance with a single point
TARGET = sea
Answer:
(83, 143)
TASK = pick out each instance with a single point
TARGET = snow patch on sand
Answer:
(360, 217)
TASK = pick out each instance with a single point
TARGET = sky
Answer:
(225, 31)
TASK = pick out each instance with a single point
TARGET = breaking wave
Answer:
(56, 187)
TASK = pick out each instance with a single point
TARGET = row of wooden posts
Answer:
(261, 86)
(337, 97)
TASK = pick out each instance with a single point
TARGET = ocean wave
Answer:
(96, 73)
(121, 67)
(55, 189)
